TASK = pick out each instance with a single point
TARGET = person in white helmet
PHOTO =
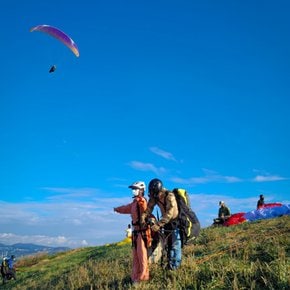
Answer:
(223, 214)
(141, 238)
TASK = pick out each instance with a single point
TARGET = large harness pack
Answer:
(187, 221)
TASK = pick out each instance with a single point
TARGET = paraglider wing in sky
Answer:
(58, 34)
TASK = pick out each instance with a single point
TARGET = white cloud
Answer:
(72, 224)
(147, 167)
(10, 238)
(162, 153)
(210, 176)
(266, 178)
(84, 243)
(62, 192)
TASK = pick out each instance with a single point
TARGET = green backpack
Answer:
(189, 225)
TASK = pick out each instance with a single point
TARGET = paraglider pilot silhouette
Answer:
(52, 69)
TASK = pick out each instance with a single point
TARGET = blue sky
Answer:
(195, 93)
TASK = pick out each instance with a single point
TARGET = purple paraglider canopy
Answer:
(58, 34)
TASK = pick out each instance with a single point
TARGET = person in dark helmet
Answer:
(260, 202)
(165, 199)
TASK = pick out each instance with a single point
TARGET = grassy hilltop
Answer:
(252, 255)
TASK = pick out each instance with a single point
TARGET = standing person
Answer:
(260, 202)
(223, 214)
(165, 199)
(140, 239)
(8, 270)
(129, 231)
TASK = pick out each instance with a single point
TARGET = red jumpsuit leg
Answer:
(140, 270)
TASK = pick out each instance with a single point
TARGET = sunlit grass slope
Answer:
(247, 256)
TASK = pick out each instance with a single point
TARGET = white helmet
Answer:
(138, 185)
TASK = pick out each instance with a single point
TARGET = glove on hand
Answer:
(155, 228)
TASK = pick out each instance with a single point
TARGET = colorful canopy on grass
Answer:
(58, 34)
(235, 219)
(267, 211)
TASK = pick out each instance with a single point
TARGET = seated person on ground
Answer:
(223, 214)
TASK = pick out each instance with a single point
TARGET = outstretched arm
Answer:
(125, 209)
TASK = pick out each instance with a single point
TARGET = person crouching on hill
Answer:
(141, 233)
(223, 214)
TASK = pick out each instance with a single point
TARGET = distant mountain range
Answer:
(20, 249)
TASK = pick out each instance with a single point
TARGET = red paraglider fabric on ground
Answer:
(271, 204)
(235, 219)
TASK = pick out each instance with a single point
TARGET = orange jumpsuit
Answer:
(140, 270)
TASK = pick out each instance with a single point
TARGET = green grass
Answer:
(252, 255)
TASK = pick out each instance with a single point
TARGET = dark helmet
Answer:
(155, 185)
